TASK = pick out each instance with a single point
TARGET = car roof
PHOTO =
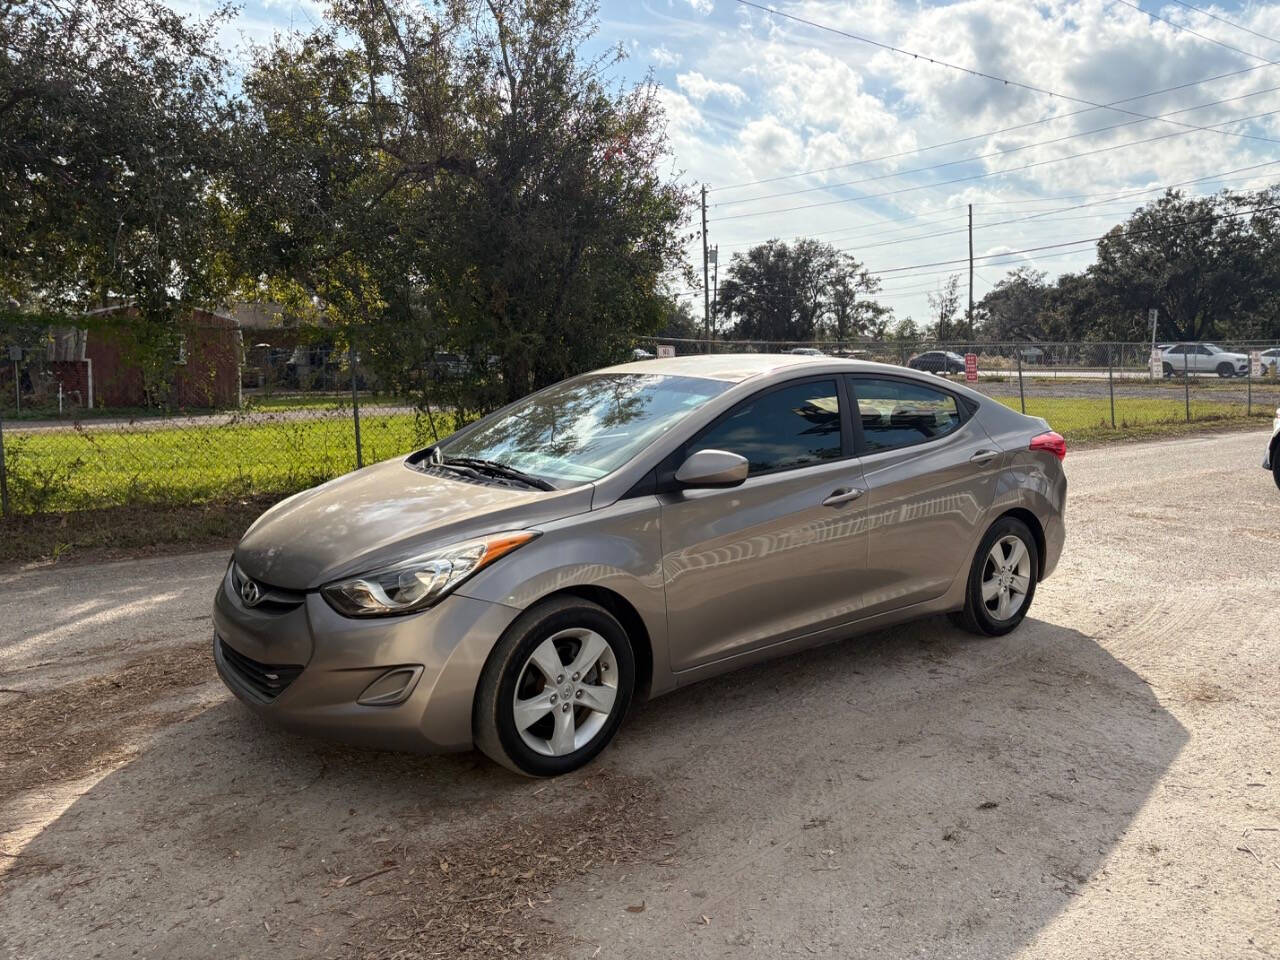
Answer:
(736, 367)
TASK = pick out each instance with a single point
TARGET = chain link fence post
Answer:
(1248, 410)
(355, 403)
(1186, 382)
(1022, 397)
(1111, 381)
(4, 477)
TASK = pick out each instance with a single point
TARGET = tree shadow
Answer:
(910, 792)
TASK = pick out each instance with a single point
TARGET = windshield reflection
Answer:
(579, 430)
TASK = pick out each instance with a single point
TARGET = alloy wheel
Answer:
(1006, 577)
(565, 692)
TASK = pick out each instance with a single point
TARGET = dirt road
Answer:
(1101, 783)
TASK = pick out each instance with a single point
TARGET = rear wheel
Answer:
(555, 688)
(1168, 370)
(1002, 579)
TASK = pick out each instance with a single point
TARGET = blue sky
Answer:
(840, 129)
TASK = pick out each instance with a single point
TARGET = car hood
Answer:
(384, 513)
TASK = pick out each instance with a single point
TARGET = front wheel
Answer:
(555, 688)
(1226, 370)
(1275, 465)
(1002, 579)
(1168, 370)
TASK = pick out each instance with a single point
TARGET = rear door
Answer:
(780, 555)
(930, 473)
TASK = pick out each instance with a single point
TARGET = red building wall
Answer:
(209, 377)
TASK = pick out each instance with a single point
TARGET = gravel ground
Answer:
(1101, 783)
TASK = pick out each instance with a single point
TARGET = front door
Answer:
(782, 554)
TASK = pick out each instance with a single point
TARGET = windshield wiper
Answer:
(496, 469)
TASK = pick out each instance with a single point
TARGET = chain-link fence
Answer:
(293, 443)
(281, 441)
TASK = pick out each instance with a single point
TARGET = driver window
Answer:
(793, 426)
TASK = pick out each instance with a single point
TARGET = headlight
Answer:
(422, 581)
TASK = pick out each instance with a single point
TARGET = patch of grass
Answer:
(114, 465)
(114, 533)
(1088, 419)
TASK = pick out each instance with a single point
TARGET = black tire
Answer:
(975, 617)
(1168, 370)
(1226, 370)
(1275, 464)
(493, 721)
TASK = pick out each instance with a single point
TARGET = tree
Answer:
(945, 306)
(789, 292)
(456, 177)
(1206, 268)
(1014, 308)
(113, 116)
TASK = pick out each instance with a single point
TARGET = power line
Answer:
(1019, 84)
(978, 176)
(1178, 26)
(1229, 23)
(1112, 197)
(990, 133)
(1001, 223)
(1066, 243)
(995, 153)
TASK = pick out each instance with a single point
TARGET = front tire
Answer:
(1275, 465)
(554, 689)
(1226, 370)
(1002, 579)
(1167, 368)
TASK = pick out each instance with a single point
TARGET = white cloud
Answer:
(699, 88)
(703, 7)
(664, 57)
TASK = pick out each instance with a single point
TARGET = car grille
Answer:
(265, 679)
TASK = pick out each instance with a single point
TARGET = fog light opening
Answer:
(391, 688)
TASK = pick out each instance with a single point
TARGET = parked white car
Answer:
(1271, 361)
(1203, 358)
(1272, 460)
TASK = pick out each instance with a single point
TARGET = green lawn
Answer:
(1088, 419)
(93, 467)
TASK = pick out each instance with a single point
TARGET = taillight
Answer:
(1050, 442)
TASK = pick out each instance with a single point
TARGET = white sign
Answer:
(1157, 363)
(1255, 362)
(666, 350)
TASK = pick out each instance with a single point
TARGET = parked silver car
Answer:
(627, 532)
(1203, 358)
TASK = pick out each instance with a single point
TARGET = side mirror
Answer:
(713, 468)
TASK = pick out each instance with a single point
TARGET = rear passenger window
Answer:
(785, 428)
(898, 414)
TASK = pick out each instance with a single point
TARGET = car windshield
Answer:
(579, 430)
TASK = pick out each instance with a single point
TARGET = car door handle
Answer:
(983, 457)
(843, 495)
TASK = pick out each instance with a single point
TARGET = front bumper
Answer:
(305, 667)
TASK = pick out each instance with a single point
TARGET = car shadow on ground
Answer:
(910, 792)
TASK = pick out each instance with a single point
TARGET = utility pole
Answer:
(971, 272)
(715, 285)
(706, 285)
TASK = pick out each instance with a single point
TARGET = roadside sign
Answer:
(1157, 363)
(971, 367)
(666, 350)
(1255, 363)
